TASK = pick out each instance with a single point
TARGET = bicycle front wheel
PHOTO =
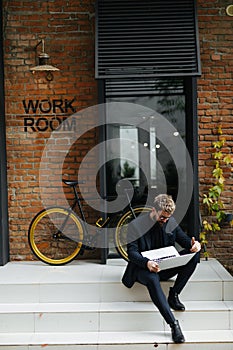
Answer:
(120, 237)
(55, 236)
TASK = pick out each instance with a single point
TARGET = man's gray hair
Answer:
(164, 202)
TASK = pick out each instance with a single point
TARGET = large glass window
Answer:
(139, 160)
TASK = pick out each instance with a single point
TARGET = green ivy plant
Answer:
(212, 200)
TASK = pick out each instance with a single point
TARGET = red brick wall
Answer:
(68, 31)
(215, 106)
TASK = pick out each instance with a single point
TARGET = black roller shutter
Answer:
(140, 87)
(150, 38)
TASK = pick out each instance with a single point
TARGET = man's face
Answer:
(160, 216)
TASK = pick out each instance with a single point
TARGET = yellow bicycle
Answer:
(57, 235)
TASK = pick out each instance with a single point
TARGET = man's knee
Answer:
(153, 280)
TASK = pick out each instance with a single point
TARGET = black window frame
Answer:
(192, 215)
(4, 230)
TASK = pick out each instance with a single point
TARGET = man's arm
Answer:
(136, 257)
(134, 246)
(186, 242)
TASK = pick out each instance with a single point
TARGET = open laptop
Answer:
(167, 257)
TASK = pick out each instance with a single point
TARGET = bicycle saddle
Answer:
(72, 183)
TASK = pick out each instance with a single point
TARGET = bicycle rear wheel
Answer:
(120, 237)
(55, 236)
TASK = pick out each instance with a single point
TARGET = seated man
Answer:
(151, 231)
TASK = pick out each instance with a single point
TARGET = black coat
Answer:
(139, 242)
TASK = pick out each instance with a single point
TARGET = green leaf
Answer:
(216, 190)
(218, 155)
(207, 226)
(203, 237)
(220, 130)
(215, 227)
(219, 144)
(217, 172)
(220, 215)
(221, 180)
(228, 159)
(208, 201)
(215, 206)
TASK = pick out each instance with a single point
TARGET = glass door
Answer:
(140, 154)
(145, 153)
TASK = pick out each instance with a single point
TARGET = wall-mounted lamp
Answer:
(229, 10)
(43, 65)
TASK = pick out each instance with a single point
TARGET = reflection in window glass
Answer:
(153, 156)
(129, 157)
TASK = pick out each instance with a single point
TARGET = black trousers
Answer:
(152, 281)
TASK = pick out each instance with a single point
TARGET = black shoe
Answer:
(174, 302)
(177, 335)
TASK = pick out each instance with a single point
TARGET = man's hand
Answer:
(153, 266)
(196, 246)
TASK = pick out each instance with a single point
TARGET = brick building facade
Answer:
(215, 107)
(34, 106)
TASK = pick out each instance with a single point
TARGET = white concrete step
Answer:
(88, 281)
(84, 306)
(211, 340)
(110, 317)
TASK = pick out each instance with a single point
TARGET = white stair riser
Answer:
(109, 292)
(110, 321)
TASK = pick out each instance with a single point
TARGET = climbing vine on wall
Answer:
(215, 212)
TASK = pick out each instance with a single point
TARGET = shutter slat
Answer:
(154, 38)
(140, 87)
